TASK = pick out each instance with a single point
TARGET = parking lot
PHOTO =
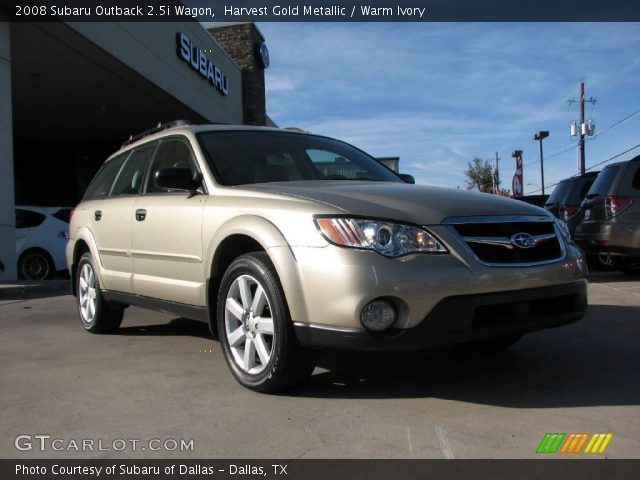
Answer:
(162, 377)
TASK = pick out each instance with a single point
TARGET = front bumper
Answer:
(464, 318)
(329, 286)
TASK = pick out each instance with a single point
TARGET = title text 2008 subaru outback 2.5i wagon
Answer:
(286, 242)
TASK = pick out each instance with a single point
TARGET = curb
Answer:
(34, 289)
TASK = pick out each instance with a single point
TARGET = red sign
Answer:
(516, 183)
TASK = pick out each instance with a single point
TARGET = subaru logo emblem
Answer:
(523, 240)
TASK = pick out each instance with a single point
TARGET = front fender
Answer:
(274, 243)
(85, 235)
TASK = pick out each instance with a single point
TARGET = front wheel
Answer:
(96, 314)
(255, 328)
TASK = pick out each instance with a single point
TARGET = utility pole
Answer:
(541, 135)
(585, 129)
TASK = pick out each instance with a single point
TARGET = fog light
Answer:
(378, 315)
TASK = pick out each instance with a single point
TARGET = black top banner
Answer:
(325, 11)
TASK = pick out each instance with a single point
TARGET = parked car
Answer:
(566, 198)
(286, 242)
(537, 200)
(41, 237)
(610, 215)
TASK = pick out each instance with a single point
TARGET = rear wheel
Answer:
(96, 314)
(601, 261)
(255, 328)
(629, 265)
(35, 264)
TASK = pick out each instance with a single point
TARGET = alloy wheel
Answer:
(87, 294)
(35, 266)
(249, 325)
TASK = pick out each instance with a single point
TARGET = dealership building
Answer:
(70, 93)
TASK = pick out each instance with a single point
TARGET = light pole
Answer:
(533, 185)
(541, 135)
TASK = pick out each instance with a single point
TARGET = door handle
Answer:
(141, 214)
(97, 215)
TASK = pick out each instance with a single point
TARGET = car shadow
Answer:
(592, 362)
(175, 327)
(612, 277)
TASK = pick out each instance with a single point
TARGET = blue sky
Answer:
(438, 95)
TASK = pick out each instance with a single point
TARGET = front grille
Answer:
(493, 242)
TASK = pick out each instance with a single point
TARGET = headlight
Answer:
(564, 229)
(386, 238)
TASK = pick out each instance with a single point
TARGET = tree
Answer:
(480, 175)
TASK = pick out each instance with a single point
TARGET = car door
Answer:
(167, 234)
(111, 215)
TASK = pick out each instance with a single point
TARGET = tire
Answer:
(96, 314)
(491, 345)
(601, 261)
(261, 349)
(629, 265)
(35, 264)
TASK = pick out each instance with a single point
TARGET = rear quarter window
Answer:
(101, 183)
(28, 219)
(63, 214)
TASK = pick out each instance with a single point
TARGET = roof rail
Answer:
(158, 128)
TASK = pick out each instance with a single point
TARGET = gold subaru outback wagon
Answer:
(286, 242)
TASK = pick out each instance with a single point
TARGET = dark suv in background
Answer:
(566, 198)
(610, 216)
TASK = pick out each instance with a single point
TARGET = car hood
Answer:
(417, 204)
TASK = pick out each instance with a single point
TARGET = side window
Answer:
(332, 166)
(28, 219)
(636, 178)
(129, 181)
(172, 153)
(101, 183)
(64, 215)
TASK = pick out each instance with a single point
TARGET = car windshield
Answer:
(245, 157)
(603, 182)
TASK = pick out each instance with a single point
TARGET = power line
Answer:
(593, 166)
(619, 122)
(573, 146)
(614, 157)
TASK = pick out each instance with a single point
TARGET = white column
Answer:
(7, 207)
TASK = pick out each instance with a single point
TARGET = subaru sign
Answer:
(197, 60)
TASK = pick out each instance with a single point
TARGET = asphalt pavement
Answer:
(164, 378)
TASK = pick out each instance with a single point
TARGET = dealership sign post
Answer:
(517, 182)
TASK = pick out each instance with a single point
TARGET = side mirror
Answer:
(407, 178)
(177, 179)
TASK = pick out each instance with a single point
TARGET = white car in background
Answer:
(41, 237)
